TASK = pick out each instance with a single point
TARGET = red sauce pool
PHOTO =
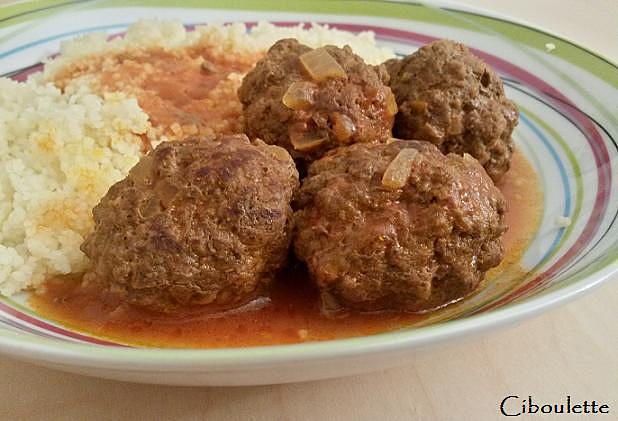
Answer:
(185, 92)
(292, 315)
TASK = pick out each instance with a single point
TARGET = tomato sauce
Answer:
(193, 92)
(185, 92)
(290, 315)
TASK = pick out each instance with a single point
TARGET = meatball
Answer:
(199, 221)
(285, 105)
(397, 226)
(453, 99)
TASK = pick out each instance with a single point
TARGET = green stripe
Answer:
(514, 284)
(23, 12)
(537, 39)
(409, 11)
(18, 306)
(467, 308)
(346, 7)
(579, 185)
(416, 12)
(565, 50)
(608, 259)
(41, 14)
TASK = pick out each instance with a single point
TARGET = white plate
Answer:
(568, 130)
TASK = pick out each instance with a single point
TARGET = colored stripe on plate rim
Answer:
(592, 139)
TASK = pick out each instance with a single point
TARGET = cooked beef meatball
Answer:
(199, 221)
(398, 226)
(453, 99)
(285, 105)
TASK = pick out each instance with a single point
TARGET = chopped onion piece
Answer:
(398, 171)
(469, 158)
(208, 67)
(306, 142)
(343, 126)
(321, 65)
(391, 104)
(299, 96)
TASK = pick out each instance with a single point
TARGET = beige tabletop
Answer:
(571, 350)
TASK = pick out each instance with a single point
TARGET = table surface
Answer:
(571, 350)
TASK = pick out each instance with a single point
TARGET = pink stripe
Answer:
(22, 76)
(51, 328)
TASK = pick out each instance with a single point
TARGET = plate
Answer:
(568, 130)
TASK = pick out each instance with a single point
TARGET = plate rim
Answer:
(461, 6)
(167, 359)
(173, 359)
(458, 5)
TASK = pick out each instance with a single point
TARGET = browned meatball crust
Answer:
(337, 111)
(448, 96)
(199, 221)
(414, 248)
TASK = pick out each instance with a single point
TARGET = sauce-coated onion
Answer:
(299, 96)
(391, 104)
(304, 142)
(343, 126)
(320, 65)
(398, 171)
